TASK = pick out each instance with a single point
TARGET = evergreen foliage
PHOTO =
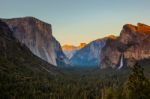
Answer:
(137, 86)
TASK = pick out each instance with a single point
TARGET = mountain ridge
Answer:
(133, 42)
(70, 50)
(37, 36)
(15, 55)
(89, 54)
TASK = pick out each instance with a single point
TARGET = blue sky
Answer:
(75, 21)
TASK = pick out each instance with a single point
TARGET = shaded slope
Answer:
(37, 36)
(133, 42)
(15, 53)
(20, 71)
(89, 54)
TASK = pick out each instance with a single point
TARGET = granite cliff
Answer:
(17, 59)
(37, 36)
(89, 54)
(133, 44)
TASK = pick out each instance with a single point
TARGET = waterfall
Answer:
(121, 62)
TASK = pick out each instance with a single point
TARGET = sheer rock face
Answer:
(37, 36)
(14, 56)
(89, 54)
(133, 42)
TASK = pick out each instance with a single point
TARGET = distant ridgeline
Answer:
(132, 45)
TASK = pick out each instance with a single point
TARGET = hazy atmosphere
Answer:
(74, 49)
(75, 21)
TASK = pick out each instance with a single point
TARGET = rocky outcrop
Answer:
(89, 54)
(133, 43)
(37, 36)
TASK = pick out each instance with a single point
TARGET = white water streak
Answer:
(121, 62)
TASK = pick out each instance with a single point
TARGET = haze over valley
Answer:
(75, 49)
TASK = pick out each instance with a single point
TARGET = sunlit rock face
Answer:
(89, 54)
(37, 36)
(70, 50)
(133, 42)
(81, 45)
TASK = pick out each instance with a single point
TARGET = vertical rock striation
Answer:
(89, 54)
(37, 36)
(133, 42)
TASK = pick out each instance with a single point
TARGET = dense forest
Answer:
(75, 83)
(25, 76)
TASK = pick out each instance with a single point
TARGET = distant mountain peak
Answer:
(70, 50)
(72, 47)
(69, 47)
(81, 45)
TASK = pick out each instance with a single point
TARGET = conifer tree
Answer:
(137, 86)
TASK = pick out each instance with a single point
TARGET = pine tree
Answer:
(137, 86)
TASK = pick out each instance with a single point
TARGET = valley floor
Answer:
(73, 83)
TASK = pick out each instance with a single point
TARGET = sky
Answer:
(76, 21)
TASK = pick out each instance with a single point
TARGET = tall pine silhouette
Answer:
(137, 86)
